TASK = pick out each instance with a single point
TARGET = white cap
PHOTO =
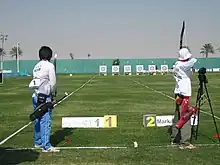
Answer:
(184, 54)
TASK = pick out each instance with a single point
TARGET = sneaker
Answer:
(174, 144)
(37, 146)
(51, 149)
(187, 146)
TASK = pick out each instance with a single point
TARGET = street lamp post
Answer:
(3, 38)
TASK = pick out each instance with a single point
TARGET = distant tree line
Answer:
(13, 52)
(205, 51)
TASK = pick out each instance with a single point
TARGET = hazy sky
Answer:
(109, 28)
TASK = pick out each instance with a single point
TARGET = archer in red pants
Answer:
(181, 129)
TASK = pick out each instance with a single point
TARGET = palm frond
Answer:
(202, 52)
(2, 52)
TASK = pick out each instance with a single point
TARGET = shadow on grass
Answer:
(60, 135)
(200, 135)
(8, 157)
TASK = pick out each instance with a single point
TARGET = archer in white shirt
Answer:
(183, 92)
(44, 85)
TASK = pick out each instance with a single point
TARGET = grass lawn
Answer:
(129, 97)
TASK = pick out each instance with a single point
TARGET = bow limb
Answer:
(55, 61)
(181, 35)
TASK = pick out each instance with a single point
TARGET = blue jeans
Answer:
(42, 126)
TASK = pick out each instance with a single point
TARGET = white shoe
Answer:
(174, 144)
(189, 146)
(37, 146)
(51, 149)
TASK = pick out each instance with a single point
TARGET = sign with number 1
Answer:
(110, 121)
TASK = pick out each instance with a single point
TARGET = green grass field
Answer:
(125, 96)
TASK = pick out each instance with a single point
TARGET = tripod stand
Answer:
(200, 96)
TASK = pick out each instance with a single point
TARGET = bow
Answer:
(55, 67)
(55, 61)
(181, 35)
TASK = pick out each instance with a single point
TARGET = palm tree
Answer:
(13, 52)
(206, 49)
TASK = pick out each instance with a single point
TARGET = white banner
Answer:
(115, 69)
(151, 68)
(82, 122)
(139, 68)
(102, 69)
(108, 121)
(216, 69)
(127, 68)
(164, 68)
(7, 71)
(162, 121)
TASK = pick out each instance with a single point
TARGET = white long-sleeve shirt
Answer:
(44, 78)
(182, 70)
